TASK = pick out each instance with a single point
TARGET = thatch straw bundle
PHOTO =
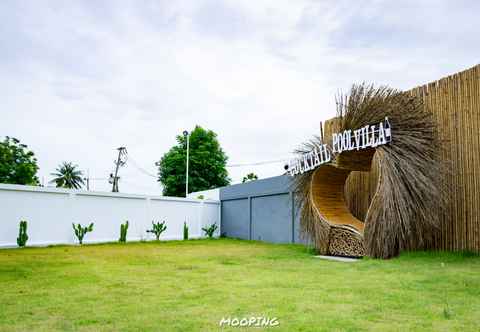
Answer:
(404, 213)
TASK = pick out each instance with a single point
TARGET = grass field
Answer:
(190, 286)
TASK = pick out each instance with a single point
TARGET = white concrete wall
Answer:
(50, 213)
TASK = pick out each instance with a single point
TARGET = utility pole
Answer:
(122, 153)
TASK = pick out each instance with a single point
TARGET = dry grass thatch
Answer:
(404, 212)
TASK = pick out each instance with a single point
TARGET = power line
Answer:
(141, 169)
(266, 162)
(258, 163)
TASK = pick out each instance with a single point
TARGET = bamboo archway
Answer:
(404, 212)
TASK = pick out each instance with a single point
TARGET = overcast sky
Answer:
(80, 78)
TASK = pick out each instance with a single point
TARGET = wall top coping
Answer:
(63, 191)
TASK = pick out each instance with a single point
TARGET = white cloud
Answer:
(79, 79)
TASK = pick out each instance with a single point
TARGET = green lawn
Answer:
(190, 286)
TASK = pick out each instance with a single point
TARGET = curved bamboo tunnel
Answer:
(403, 213)
(327, 195)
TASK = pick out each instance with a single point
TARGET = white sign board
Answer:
(369, 136)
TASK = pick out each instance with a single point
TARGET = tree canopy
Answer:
(68, 176)
(250, 177)
(207, 164)
(18, 165)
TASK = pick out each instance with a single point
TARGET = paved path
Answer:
(339, 259)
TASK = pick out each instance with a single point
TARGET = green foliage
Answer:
(157, 229)
(123, 232)
(68, 176)
(210, 230)
(200, 197)
(22, 234)
(185, 231)
(18, 165)
(80, 231)
(250, 177)
(207, 164)
(447, 312)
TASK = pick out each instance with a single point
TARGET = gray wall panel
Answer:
(236, 218)
(296, 228)
(272, 218)
(272, 215)
(277, 184)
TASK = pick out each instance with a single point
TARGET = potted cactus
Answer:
(22, 234)
(157, 228)
(80, 231)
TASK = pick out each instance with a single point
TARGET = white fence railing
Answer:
(50, 213)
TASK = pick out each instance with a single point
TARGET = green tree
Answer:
(250, 177)
(68, 176)
(18, 165)
(207, 164)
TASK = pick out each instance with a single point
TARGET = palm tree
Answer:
(68, 176)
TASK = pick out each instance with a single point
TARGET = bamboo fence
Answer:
(455, 104)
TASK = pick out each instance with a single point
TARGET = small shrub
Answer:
(210, 230)
(123, 232)
(185, 231)
(80, 231)
(22, 234)
(447, 313)
(158, 229)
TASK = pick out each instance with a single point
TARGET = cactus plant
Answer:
(80, 231)
(158, 229)
(210, 230)
(22, 234)
(185, 231)
(123, 232)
